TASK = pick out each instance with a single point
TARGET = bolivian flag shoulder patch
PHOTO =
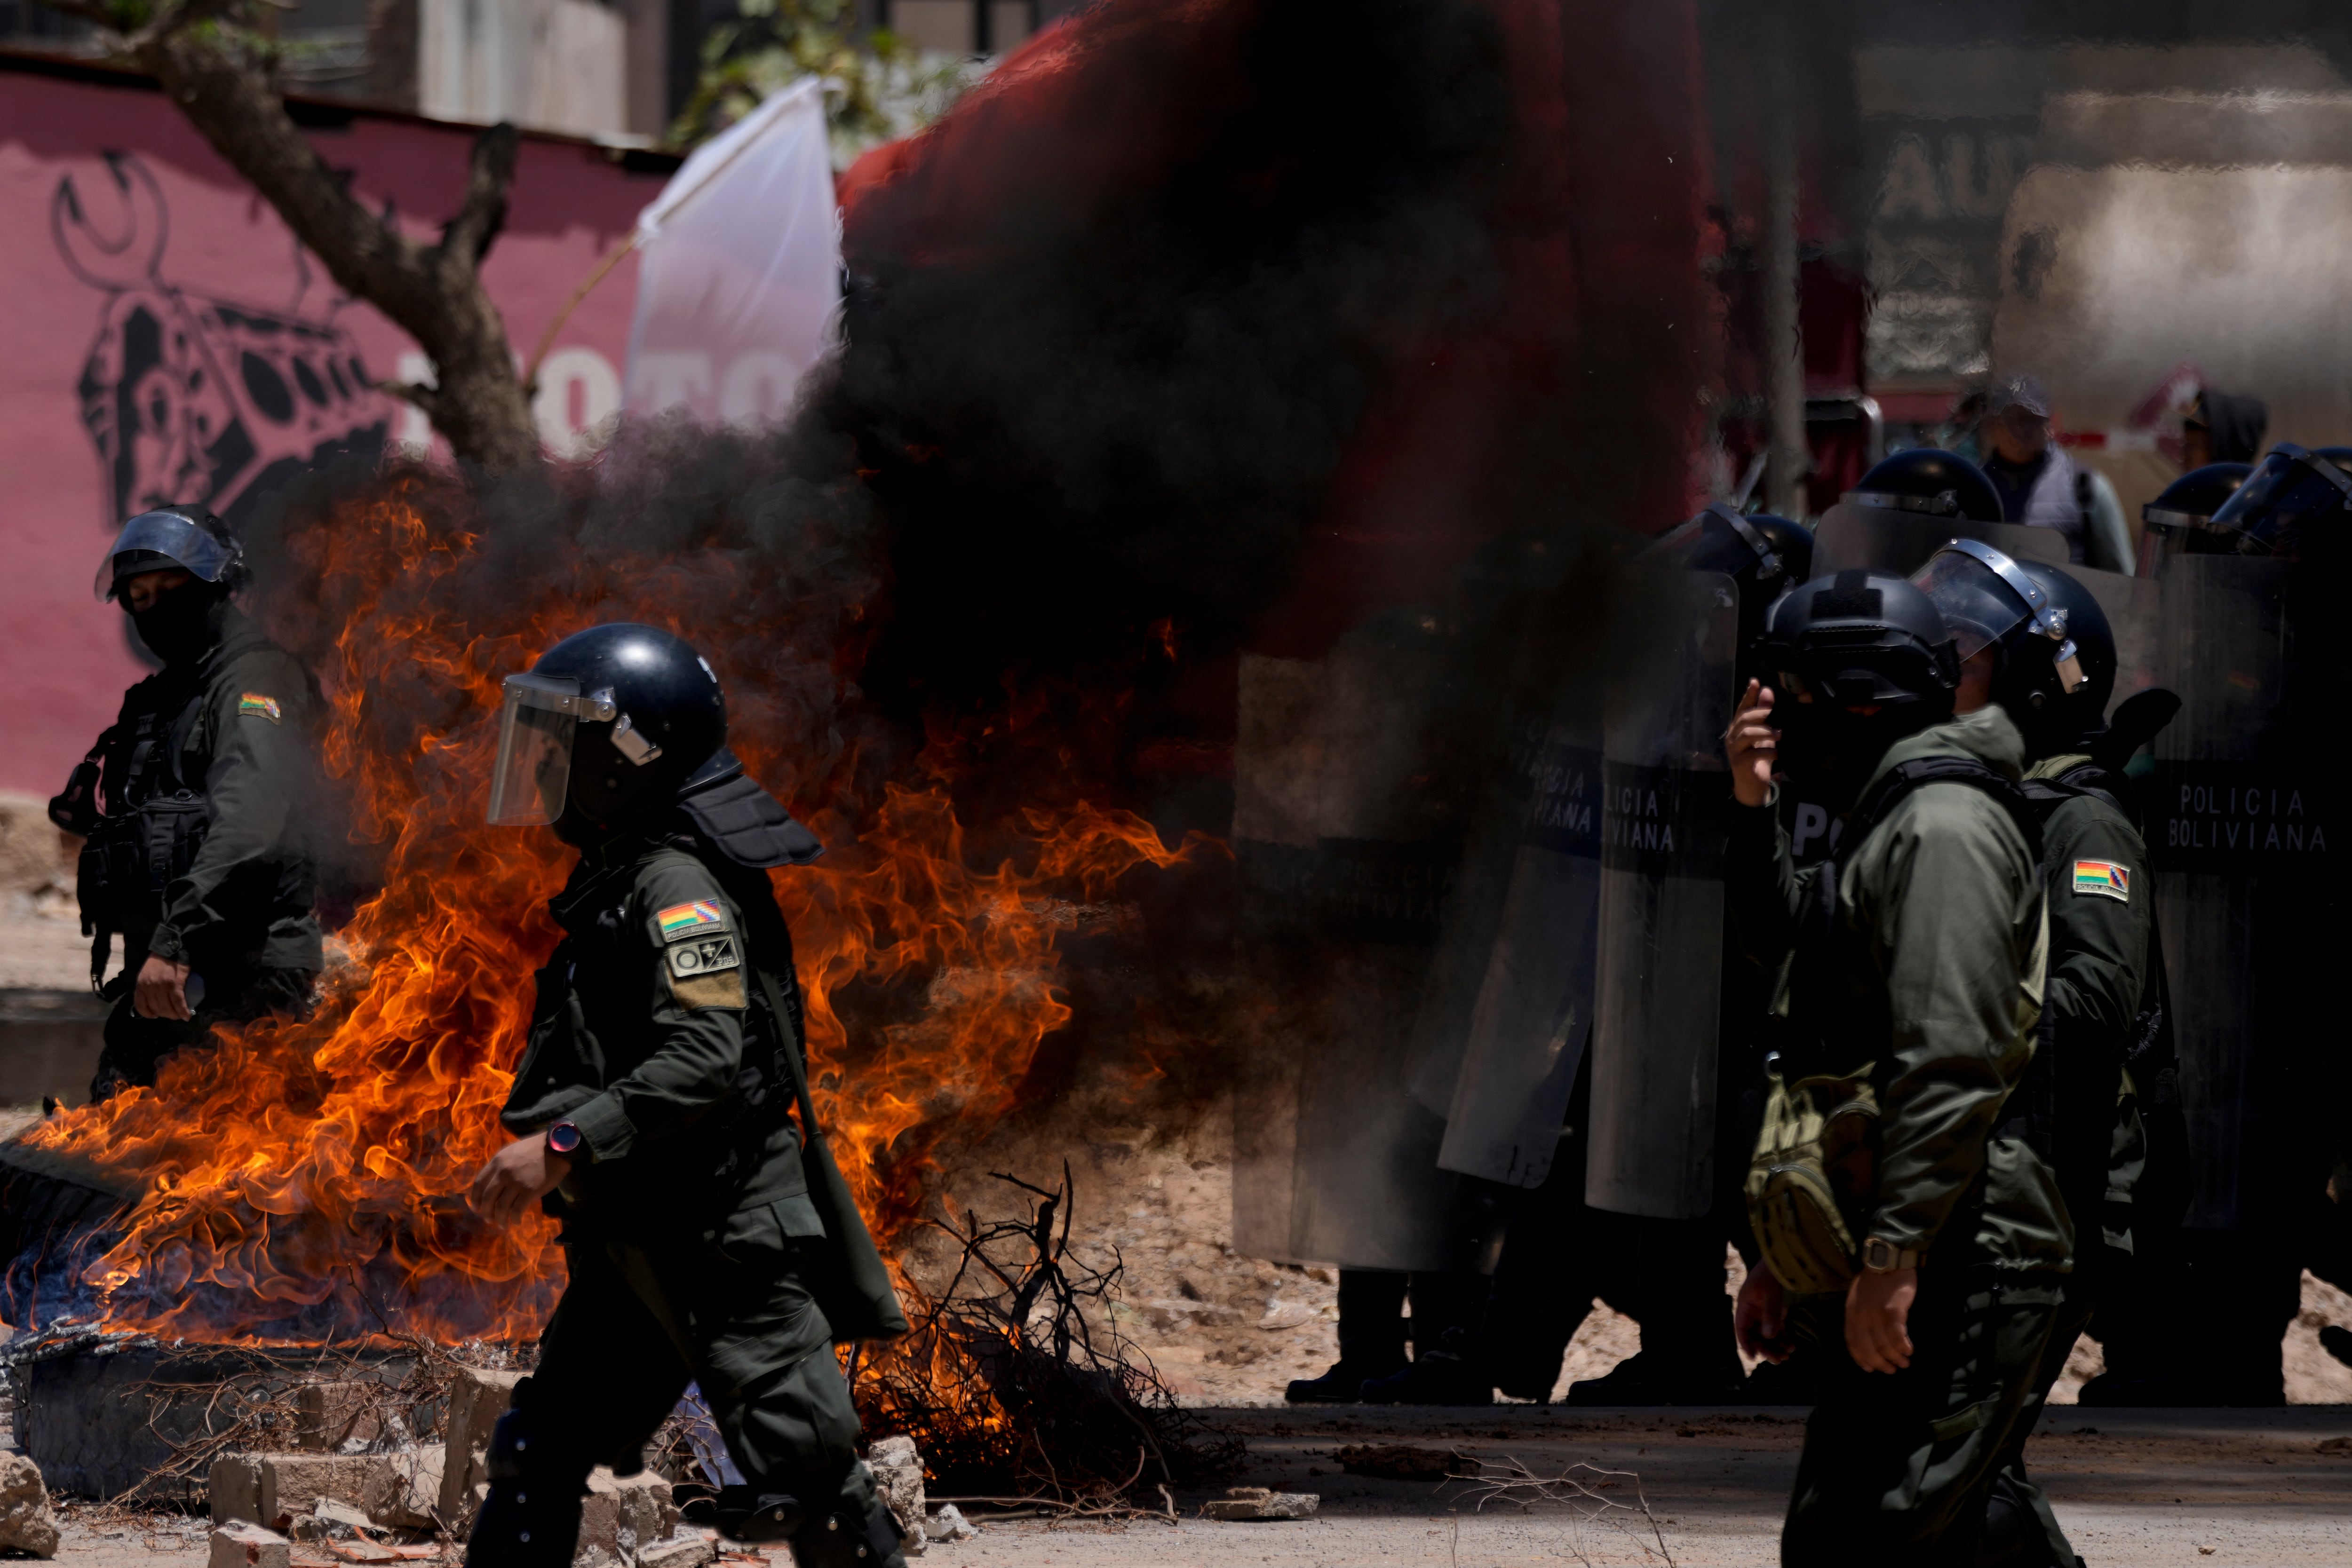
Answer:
(2103, 879)
(253, 705)
(683, 922)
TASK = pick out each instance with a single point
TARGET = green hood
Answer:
(1988, 735)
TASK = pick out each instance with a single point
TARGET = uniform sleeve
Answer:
(263, 754)
(2099, 923)
(1944, 889)
(698, 999)
(1762, 885)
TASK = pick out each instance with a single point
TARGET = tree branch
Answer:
(416, 395)
(484, 212)
(433, 292)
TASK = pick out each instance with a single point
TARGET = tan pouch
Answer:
(1813, 1177)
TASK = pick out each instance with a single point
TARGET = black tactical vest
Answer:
(140, 818)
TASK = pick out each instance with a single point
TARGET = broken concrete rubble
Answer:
(329, 1415)
(240, 1543)
(267, 1488)
(395, 1490)
(477, 1399)
(340, 1517)
(898, 1477)
(25, 1522)
(949, 1524)
(622, 1516)
(1258, 1502)
(690, 1551)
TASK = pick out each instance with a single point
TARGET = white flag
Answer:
(740, 272)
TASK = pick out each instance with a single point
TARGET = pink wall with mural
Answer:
(162, 337)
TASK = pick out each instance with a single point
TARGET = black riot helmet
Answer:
(1758, 550)
(2180, 520)
(611, 722)
(2054, 653)
(1929, 482)
(1865, 639)
(2294, 499)
(188, 538)
(1764, 555)
(1859, 661)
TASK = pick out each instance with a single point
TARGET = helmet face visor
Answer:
(1979, 607)
(536, 728)
(1718, 540)
(160, 541)
(2289, 490)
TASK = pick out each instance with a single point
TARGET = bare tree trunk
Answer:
(434, 292)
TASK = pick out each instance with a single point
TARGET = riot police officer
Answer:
(2179, 520)
(1927, 482)
(2255, 914)
(2034, 642)
(1921, 1265)
(191, 808)
(1667, 1274)
(1561, 1251)
(2293, 506)
(707, 1240)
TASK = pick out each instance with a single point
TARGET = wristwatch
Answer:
(1881, 1256)
(564, 1139)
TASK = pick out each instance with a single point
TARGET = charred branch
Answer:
(1011, 1390)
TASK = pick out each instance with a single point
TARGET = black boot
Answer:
(1343, 1384)
(1643, 1378)
(1452, 1374)
(1371, 1338)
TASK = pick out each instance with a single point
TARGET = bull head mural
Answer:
(193, 399)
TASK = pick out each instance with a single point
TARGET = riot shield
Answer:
(2237, 828)
(1534, 1010)
(1345, 845)
(2135, 612)
(1657, 1019)
(1878, 539)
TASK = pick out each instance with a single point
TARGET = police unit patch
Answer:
(707, 972)
(706, 956)
(681, 921)
(2105, 879)
(254, 704)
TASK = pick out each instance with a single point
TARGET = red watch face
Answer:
(563, 1137)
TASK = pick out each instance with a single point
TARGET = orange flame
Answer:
(307, 1180)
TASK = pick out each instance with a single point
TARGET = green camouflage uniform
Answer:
(1938, 953)
(687, 1219)
(2101, 923)
(221, 747)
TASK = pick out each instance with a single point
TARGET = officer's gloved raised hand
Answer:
(1752, 746)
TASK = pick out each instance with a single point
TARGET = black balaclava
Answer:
(1831, 751)
(183, 623)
